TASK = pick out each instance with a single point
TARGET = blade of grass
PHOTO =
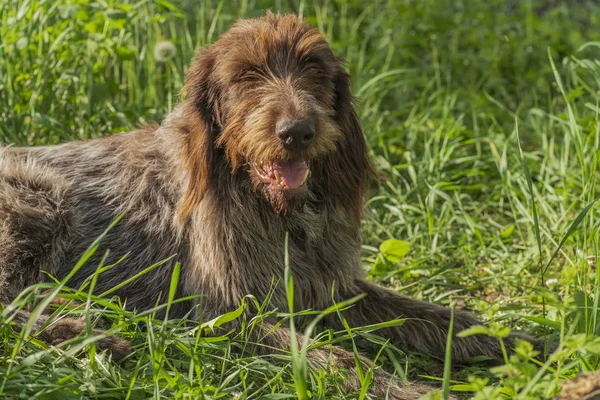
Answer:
(448, 357)
(298, 362)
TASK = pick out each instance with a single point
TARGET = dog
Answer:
(266, 143)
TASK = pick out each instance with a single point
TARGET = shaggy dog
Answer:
(266, 143)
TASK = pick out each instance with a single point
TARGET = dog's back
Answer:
(34, 217)
(56, 200)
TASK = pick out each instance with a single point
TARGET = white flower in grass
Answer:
(22, 43)
(164, 51)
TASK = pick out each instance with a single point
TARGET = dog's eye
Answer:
(315, 69)
(248, 76)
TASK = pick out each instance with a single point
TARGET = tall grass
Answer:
(441, 85)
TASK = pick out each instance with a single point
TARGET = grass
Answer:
(482, 116)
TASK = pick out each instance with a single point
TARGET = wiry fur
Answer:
(187, 189)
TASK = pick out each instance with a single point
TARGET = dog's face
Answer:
(274, 96)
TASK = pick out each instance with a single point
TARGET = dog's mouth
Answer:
(289, 175)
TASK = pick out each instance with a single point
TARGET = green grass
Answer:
(482, 116)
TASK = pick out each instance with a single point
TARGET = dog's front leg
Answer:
(426, 325)
(278, 340)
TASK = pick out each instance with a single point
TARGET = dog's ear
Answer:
(348, 171)
(202, 126)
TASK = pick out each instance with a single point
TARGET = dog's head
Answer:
(275, 103)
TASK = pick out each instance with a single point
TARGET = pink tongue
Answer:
(291, 172)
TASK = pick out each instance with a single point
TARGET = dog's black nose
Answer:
(295, 135)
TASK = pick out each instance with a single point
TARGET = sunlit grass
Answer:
(483, 118)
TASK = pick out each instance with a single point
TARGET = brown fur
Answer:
(189, 189)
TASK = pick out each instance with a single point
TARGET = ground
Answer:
(482, 118)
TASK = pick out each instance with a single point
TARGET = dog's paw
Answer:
(585, 386)
(68, 328)
(64, 329)
(383, 384)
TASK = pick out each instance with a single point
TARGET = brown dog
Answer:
(266, 142)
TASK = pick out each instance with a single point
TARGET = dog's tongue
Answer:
(293, 172)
